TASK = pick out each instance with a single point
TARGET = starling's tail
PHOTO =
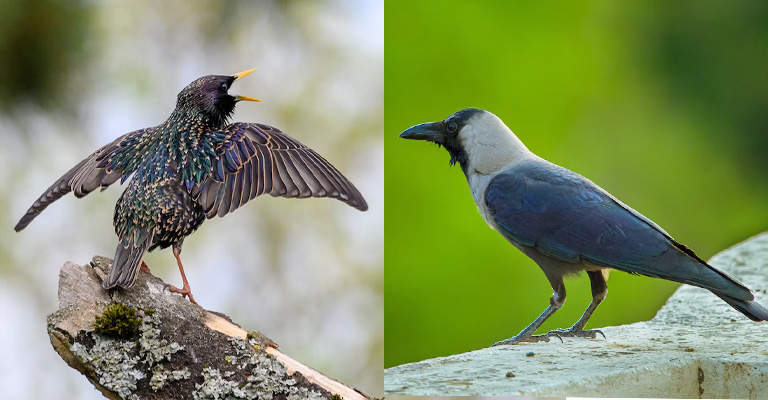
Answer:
(128, 256)
(752, 309)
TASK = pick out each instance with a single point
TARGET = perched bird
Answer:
(566, 223)
(191, 167)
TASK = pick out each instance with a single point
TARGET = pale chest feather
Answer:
(478, 183)
(491, 148)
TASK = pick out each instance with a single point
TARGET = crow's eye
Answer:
(451, 127)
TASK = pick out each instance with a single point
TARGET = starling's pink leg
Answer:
(145, 268)
(184, 291)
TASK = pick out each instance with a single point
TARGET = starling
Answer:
(191, 167)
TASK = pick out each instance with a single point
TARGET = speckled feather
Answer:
(190, 167)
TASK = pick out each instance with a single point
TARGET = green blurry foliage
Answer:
(661, 104)
(41, 43)
(713, 58)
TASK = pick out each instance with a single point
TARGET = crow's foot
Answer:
(528, 339)
(558, 333)
(572, 332)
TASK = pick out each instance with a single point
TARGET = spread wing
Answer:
(89, 174)
(255, 159)
(567, 217)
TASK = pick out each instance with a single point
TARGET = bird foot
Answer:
(573, 332)
(528, 339)
(144, 267)
(184, 292)
(558, 333)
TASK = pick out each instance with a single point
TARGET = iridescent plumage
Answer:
(192, 166)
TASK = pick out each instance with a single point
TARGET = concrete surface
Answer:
(696, 346)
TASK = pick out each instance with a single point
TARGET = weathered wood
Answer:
(696, 346)
(178, 349)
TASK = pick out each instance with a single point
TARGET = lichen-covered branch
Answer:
(146, 343)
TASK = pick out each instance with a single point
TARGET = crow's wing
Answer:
(567, 217)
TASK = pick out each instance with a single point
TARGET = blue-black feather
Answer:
(567, 217)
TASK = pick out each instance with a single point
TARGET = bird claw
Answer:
(571, 332)
(558, 333)
(528, 339)
(144, 267)
(184, 292)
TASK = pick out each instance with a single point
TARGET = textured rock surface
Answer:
(179, 350)
(696, 346)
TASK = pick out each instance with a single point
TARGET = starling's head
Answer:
(208, 97)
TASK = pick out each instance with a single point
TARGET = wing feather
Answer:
(96, 171)
(567, 217)
(256, 159)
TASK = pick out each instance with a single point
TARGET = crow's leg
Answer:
(599, 291)
(526, 335)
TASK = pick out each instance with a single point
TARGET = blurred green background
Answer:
(663, 104)
(74, 75)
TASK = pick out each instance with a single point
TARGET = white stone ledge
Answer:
(696, 346)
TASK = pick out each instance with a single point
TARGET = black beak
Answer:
(430, 131)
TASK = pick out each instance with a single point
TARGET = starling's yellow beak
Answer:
(244, 73)
(240, 75)
(245, 98)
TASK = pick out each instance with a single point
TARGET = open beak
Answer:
(243, 73)
(240, 75)
(245, 98)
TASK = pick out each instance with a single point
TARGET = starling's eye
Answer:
(451, 127)
(224, 87)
